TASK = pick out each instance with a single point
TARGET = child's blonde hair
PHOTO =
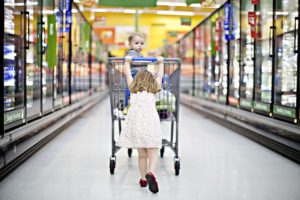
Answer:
(132, 35)
(144, 81)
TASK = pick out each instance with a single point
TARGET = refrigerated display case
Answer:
(286, 48)
(234, 51)
(96, 53)
(199, 60)
(47, 70)
(264, 54)
(13, 63)
(221, 48)
(248, 34)
(208, 57)
(213, 72)
(58, 68)
(33, 71)
(80, 49)
(186, 55)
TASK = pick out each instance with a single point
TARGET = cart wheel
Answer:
(112, 165)
(162, 151)
(177, 167)
(129, 152)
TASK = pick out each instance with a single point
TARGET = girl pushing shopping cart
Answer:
(151, 101)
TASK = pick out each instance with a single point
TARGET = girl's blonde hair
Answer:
(132, 35)
(144, 81)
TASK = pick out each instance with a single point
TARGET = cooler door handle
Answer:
(271, 35)
(296, 50)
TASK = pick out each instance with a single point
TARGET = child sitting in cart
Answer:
(142, 129)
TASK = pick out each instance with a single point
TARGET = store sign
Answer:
(51, 46)
(87, 32)
(60, 20)
(186, 21)
(68, 20)
(226, 23)
(252, 23)
(13, 116)
(252, 18)
(68, 15)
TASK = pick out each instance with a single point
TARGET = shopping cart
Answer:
(167, 100)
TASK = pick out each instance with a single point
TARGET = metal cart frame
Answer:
(168, 111)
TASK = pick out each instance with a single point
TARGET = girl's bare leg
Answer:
(142, 162)
(153, 159)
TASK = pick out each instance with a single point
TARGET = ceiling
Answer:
(164, 7)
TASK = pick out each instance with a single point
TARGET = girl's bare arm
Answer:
(160, 70)
(127, 71)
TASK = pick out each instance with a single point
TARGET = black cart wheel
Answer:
(129, 152)
(112, 165)
(162, 151)
(177, 167)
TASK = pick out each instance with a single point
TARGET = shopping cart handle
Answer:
(134, 59)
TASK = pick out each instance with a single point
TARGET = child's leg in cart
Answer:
(142, 162)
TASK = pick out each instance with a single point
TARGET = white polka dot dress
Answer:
(141, 128)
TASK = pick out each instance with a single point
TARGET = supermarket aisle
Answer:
(215, 164)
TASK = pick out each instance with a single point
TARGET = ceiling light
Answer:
(100, 10)
(168, 12)
(162, 3)
(129, 11)
(195, 5)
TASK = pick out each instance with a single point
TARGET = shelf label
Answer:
(206, 94)
(246, 103)
(13, 116)
(284, 111)
(262, 106)
(51, 46)
(222, 98)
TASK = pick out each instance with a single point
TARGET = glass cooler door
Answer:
(58, 68)
(207, 72)
(186, 54)
(47, 71)
(33, 54)
(234, 67)
(221, 59)
(214, 71)
(13, 66)
(264, 57)
(286, 48)
(247, 54)
(199, 60)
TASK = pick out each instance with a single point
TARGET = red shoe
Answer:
(143, 183)
(153, 186)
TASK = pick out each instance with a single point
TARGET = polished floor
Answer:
(216, 163)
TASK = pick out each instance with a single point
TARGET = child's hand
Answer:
(128, 58)
(160, 59)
